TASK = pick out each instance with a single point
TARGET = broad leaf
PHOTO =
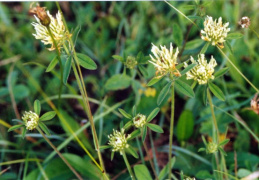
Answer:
(144, 133)
(216, 91)
(153, 81)
(86, 61)
(163, 93)
(48, 116)
(118, 81)
(164, 172)
(15, 127)
(185, 125)
(44, 128)
(188, 68)
(177, 34)
(143, 70)
(221, 72)
(132, 152)
(125, 114)
(119, 58)
(155, 128)
(224, 142)
(141, 172)
(153, 114)
(134, 134)
(205, 47)
(52, 64)
(234, 36)
(37, 107)
(67, 69)
(184, 88)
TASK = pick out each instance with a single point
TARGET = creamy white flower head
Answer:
(214, 31)
(31, 120)
(164, 60)
(118, 140)
(139, 120)
(203, 71)
(189, 178)
(57, 28)
(244, 22)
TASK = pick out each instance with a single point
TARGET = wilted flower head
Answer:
(31, 120)
(131, 62)
(203, 71)
(164, 60)
(254, 104)
(40, 12)
(244, 22)
(214, 31)
(118, 141)
(139, 120)
(211, 148)
(57, 28)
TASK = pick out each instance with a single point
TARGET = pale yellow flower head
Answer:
(57, 28)
(164, 60)
(203, 71)
(139, 120)
(215, 31)
(211, 148)
(118, 141)
(31, 120)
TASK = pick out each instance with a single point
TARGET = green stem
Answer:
(171, 132)
(128, 165)
(60, 63)
(238, 69)
(60, 155)
(252, 29)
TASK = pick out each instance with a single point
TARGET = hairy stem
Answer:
(171, 132)
(128, 165)
(60, 155)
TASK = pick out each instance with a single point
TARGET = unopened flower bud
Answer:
(211, 147)
(131, 62)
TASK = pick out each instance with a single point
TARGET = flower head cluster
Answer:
(131, 62)
(57, 28)
(211, 148)
(244, 22)
(139, 120)
(118, 140)
(214, 31)
(164, 60)
(31, 120)
(203, 71)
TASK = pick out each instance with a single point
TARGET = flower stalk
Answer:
(128, 165)
(60, 155)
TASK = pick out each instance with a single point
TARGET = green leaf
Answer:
(188, 68)
(118, 81)
(228, 45)
(15, 127)
(24, 132)
(163, 93)
(185, 125)
(222, 151)
(204, 140)
(141, 172)
(105, 147)
(221, 72)
(67, 69)
(48, 116)
(44, 128)
(164, 172)
(155, 128)
(119, 58)
(112, 155)
(125, 114)
(144, 133)
(153, 81)
(177, 34)
(134, 134)
(143, 70)
(37, 107)
(134, 111)
(216, 91)
(128, 124)
(204, 95)
(224, 142)
(153, 114)
(184, 88)
(75, 33)
(52, 64)
(132, 152)
(205, 47)
(201, 149)
(86, 61)
(234, 36)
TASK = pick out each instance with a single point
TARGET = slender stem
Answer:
(171, 132)
(252, 29)
(150, 161)
(60, 155)
(238, 70)
(128, 165)
(60, 63)
(84, 95)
